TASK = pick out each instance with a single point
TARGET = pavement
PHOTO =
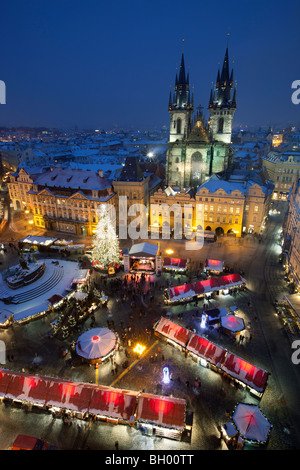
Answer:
(269, 348)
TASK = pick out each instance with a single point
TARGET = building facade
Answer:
(283, 168)
(62, 200)
(234, 206)
(291, 233)
(67, 200)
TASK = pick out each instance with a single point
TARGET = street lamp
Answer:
(139, 349)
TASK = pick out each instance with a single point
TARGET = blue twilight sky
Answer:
(100, 64)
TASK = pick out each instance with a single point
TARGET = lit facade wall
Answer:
(292, 235)
(283, 172)
(67, 210)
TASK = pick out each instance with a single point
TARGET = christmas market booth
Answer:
(36, 243)
(142, 258)
(173, 334)
(210, 355)
(251, 424)
(154, 414)
(161, 416)
(232, 325)
(190, 292)
(205, 352)
(214, 315)
(97, 345)
(213, 266)
(245, 374)
(175, 265)
(113, 405)
(81, 278)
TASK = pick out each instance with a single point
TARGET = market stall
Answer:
(246, 374)
(81, 278)
(190, 292)
(174, 334)
(175, 265)
(213, 266)
(70, 396)
(164, 416)
(210, 354)
(36, 242)
(232, 325)
(206, 352)
(214, 315)
(161, 416)
(55, 299)
(22, 389)
(114, 405)
(96, 345)
(251, 423)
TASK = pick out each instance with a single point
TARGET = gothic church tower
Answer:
(198, 149)
(222, 105)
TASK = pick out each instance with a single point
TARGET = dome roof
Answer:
(96, 343)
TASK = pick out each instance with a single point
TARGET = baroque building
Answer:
(283, 168)
(62, 200)
(198, 149)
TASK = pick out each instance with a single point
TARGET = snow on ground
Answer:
(56, 279)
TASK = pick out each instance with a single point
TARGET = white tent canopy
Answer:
(251, 423)
(96, 343)
(143, 250)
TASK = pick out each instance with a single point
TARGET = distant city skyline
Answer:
(101, 65)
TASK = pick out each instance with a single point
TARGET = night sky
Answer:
(110, 64)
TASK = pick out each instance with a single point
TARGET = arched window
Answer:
(220, 124)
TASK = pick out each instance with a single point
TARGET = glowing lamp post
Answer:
(139, 349)
(166, 375)
(203, 320)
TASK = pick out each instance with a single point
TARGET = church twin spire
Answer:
(181, 98)
(221, 97)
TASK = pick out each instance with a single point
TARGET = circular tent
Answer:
(96, 344)
(250, 422)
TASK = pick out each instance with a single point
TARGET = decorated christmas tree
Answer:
(106, 250)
